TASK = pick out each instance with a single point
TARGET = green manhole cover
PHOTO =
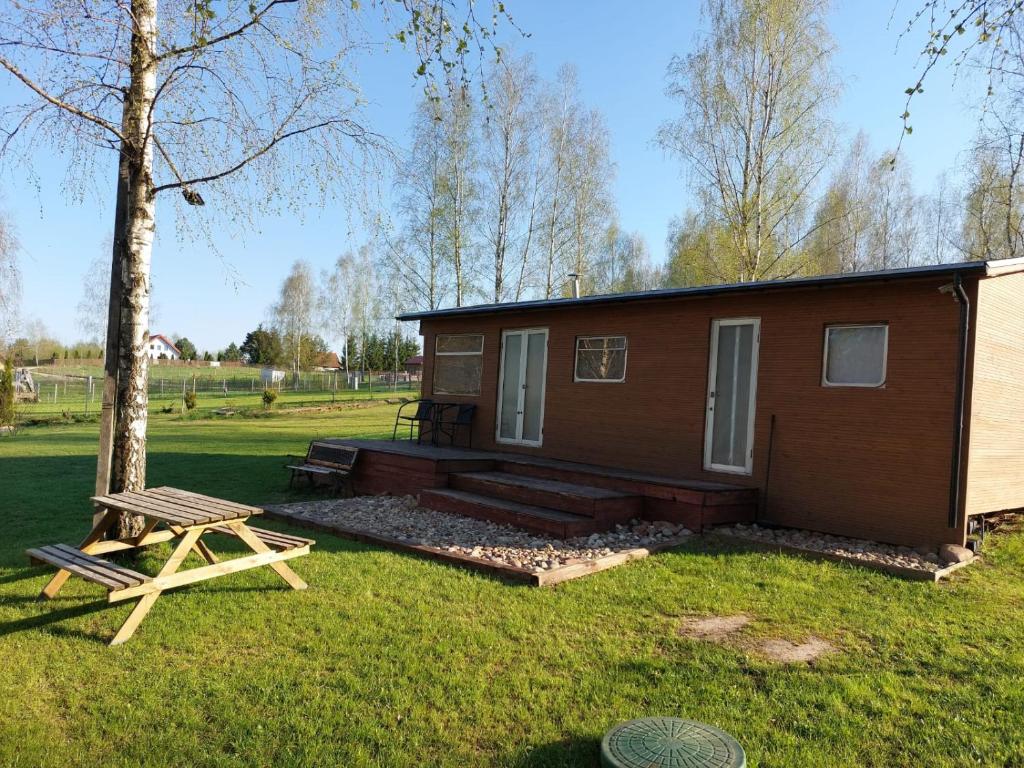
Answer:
(669, 741)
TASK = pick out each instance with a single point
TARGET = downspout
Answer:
(958, 415)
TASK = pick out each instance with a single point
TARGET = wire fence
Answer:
(81, 395)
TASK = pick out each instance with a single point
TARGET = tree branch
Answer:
(6, 64)
(256, 19)
(254, 156)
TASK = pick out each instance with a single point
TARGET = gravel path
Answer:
(854, 549)
(399, 517)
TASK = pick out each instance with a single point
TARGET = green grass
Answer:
(389, 660)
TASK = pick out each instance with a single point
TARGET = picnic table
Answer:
(171, 514)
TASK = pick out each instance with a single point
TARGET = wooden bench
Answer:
(327, 460)
(281, 542)
(88, 567)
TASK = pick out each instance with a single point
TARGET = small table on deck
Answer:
(171, 514)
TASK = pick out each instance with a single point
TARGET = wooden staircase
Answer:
(538, 504)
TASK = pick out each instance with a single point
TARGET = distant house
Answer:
(161, 346)
(414, 365)
(328, 362)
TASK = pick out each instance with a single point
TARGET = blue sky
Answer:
(621, 51)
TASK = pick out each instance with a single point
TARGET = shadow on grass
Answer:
(50, 617)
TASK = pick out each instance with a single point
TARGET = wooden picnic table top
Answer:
(176, 507)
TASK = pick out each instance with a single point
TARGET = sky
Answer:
(621, 51)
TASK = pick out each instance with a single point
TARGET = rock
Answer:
(924, 550)
(954, 553)
(931, 557)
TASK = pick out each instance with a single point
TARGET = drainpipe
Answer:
(961, 390)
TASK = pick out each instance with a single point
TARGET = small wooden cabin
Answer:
(883, 405)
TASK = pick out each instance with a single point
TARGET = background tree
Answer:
(186, 348)
(335, 301)
(10, 282)
(295, 308)
(459, 186)
(7, 392)
(262, 347)
(756, 132)
(418, 254)
(509, 167)
(230, 354)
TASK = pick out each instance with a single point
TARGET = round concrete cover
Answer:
(669, 741)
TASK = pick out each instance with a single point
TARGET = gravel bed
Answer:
(399, 517)
(923, 559)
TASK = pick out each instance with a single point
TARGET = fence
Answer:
(214, 388)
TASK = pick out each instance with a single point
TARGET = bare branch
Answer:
(9, 66)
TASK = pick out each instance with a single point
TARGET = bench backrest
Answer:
(331, 455)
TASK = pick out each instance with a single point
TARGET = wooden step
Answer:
(540, 519)
(282, 542)
(88, 567)
(601, 503)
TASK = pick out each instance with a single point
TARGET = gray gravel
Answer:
(923, 559)
(399, 517)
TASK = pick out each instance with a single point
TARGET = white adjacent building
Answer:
(162, 346)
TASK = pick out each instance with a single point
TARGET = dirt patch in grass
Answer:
(713, 628)
(787, 652)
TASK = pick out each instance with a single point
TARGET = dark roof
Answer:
(967, 267)
(414, 360)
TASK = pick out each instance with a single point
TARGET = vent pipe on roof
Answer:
(575, 284)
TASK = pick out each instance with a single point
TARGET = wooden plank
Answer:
(127, 577)
(145, 507)
(204, 512)
(117, 545)
(258, 545)
(273, 538)
(201, 506)
(242, 508)
(205, 572)
(74, 567)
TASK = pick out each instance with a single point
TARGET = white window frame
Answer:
(520, 400)
(625, 362)
(480, 354)
(885, 356)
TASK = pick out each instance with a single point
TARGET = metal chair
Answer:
(463, 419)
(424, 413)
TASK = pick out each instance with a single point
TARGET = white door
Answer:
(524, 365)
(732, 389)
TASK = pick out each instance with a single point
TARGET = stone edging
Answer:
(577, 570)
(524, 575)
(912, 574)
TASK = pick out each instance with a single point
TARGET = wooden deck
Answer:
(561, 498)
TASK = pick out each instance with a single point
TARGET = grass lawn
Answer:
(394, 661)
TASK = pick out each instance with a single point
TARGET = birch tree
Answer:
(417, 255)
(459, 187)
(294, 311)
(509, 166)
(10, 283)
(755, 133)
(248, 104)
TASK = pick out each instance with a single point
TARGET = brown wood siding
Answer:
(871, 463)
(995, 460)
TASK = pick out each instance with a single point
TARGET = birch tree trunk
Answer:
(122, 457)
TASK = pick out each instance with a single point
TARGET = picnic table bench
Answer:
(327, 460)
(171, 514)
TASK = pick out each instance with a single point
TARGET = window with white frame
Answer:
(458, 363)
(600, 359)
(855, 355)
